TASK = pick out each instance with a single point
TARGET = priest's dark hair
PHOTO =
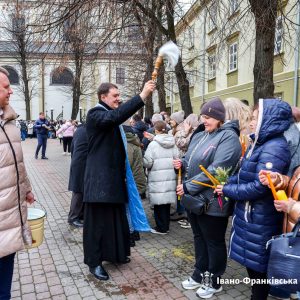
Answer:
(104, 88)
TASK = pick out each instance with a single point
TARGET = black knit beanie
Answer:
(214, 108)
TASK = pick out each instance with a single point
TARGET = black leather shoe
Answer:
(44, 157)
(132, 240)
(76, 223)
(136, 235)
(126, 261)
(100, 273)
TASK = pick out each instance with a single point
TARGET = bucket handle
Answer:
(41, 206)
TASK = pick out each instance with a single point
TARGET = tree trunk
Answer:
(149, 40)
(265, 12)
(26, 85)
(21, 46)
(76, 97)
(183, 83)
(26, 92)
(160, 86)
(184, 88)
(149, 103)
(77, 86)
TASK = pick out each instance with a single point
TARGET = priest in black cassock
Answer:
(106, 231)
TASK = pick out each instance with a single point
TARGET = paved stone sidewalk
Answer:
(56, 270)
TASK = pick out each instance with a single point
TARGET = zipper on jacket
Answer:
(232, 235)
(292, 255)
(247, 204)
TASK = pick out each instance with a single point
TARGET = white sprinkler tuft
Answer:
(171, 52)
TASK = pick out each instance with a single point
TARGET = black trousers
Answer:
(76, 207)
(6, 274)
(162, 217)
(259, 291)
(67, 141)
(105, 233)
(210, 247)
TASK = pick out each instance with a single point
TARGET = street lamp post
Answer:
(80, 114)
(51, 109)
(62, 112)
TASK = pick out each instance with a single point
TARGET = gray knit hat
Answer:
(178, 117)
(156, 117)
(214, 108)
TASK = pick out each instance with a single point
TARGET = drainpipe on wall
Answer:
(297, 49)
(204, 57)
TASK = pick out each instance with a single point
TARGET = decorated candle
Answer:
(269, 166)
(179, 182)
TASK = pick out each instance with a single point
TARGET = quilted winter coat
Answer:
(10, 221)
(162, 177)
(255, 219)
(220, 148)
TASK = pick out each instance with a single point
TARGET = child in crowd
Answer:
(158, 159)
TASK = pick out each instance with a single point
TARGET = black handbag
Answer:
(196, 204)
(284, 261)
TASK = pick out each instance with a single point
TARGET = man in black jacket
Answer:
(106, 232)
(79, 150)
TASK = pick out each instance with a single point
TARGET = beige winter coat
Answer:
(10, 223)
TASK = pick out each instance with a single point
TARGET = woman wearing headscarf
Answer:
(182, 137)
(176, 123)
(184, 133)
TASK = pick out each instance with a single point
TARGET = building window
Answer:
(212, 13)
(234, 5)
(233, 48)
(278, 95)
(66, 31)
(212, 66)
(120, 76)
(62, 76)
(278, 35)
(134, 33)
(191, 36)
(13, 75)
(191, 76)
(18, 27)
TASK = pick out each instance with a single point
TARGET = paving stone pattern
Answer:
(56, 270)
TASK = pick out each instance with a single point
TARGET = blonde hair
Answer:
(236, 110)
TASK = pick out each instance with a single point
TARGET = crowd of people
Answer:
(43, 129)
(206, 167)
